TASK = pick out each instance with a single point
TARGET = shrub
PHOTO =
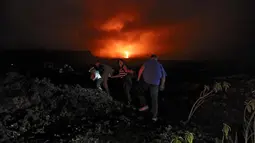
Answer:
(205, 94)
(226, 137)
(249, 121)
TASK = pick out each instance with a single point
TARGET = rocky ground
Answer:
(36, 110)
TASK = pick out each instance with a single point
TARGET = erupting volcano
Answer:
(137, 29)
(122, 42)
(127, 36)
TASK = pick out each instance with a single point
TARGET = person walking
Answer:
(154, 77)
(126, 75)
(106, 71)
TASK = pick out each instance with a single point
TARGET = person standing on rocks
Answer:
(154, 77)
(126, 75)
(106, 71)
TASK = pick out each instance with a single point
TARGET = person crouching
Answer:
(95, 76)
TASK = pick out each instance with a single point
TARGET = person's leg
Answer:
(142, 96)
(98, 83)
(127, 85)
(105, 82)
(154, 101)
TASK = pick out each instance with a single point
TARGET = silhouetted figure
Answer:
(126, 75)
(106, 71)
(154, 78)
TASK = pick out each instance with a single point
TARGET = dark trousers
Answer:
(99, 82)
(153, 91)
(105, 84)
(127, 85)
(105, 77)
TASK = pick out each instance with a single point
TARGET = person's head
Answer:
(120, 62)
(97, 64)
(154, 57)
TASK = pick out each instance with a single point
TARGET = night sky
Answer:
(173, 29)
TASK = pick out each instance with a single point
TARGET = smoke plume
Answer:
(180, 29)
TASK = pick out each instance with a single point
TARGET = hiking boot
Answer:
(144, 108)
(99, 88)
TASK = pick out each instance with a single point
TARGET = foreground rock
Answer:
(39, 111)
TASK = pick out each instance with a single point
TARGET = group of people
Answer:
(152, 72)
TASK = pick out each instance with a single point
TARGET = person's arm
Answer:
(127, 70)
(162, 81)
(92, 76)
(91, 69)
(140, 72)
(116, 76)
(163, 78)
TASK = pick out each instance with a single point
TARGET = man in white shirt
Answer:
(106, 72)
(95, 76)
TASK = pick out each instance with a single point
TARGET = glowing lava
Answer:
(126, 54)
(122, 48)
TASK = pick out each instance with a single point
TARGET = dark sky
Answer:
(174, 29)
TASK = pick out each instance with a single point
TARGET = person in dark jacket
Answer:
(106, 72)
(154, 77)
(126, 75)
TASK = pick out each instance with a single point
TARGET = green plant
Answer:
(225, 131)
(205, 94)
(189, 137)
(226, 136)
(177, 139)
(249, 121)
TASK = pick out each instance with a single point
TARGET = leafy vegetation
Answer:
(248, 126)
(189, 137)
(226, 136)
(249, 121)
(205, 94)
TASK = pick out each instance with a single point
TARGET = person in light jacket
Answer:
(106, 72)
(95, 76)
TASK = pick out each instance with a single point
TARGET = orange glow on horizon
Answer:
(131, 30)
(126, 43)
(126, 54)
(117, 49)
(134, 44)
(140, 42)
